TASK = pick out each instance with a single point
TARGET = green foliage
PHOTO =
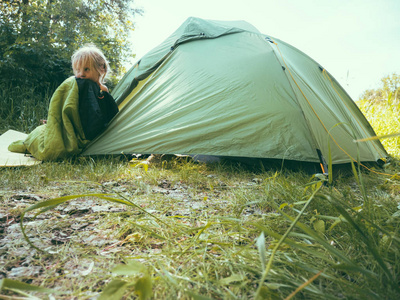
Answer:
(381, 107)
(389, 91)
(38, 37)
(21, 108)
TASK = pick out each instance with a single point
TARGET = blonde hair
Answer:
(90, 55)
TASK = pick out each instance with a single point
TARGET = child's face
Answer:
(87, 72)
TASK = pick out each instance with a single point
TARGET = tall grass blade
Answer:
(303, 285)
(296, 245)
(202, 229)
(378, 137)
(7, 283)
(368, 240)
(353, 168)
(261, 249)
(268, 267)
(48, 204)
(346, 262)
(330, 170)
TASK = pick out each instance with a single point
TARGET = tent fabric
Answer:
(63, 134)
(225, 89)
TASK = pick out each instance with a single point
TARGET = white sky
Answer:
(357, 41)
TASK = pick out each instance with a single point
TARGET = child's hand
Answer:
(103, 87)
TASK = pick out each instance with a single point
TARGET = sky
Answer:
(357, 41)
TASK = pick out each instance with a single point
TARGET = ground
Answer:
(178, 229)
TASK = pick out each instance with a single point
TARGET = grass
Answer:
(208, 231)
(176, 229)
(21, 108)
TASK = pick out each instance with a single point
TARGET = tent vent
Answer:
(269, 40)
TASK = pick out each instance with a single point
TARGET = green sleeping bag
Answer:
(63, 135)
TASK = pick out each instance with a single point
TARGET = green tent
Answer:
(224, 89)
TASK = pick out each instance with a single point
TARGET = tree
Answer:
(38, 37)
(389, 90)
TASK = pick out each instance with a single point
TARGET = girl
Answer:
(90, 63)
(96, 105)
(80, 109)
